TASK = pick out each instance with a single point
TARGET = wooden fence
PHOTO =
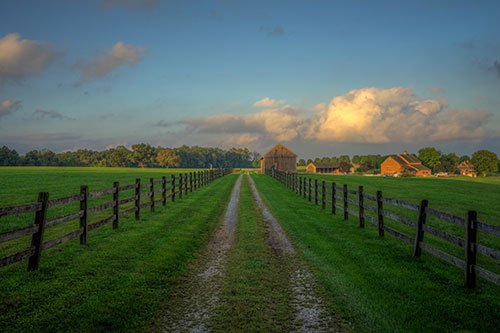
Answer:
(171, 188)
(338, 198)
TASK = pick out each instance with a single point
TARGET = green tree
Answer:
(429, 156)
(302, 162)
(345, 158)
(144, 155)
(344, 166)
(167, 158)
(485, 161)
(9, 157)
(309, 161)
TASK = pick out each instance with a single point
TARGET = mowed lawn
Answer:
(375, 281)
(121, 279)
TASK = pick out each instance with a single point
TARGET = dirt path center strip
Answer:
(194, 302)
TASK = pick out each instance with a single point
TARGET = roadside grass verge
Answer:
(256, 291)
(376, 282)
(121, 279)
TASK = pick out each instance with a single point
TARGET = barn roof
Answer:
(410, 162)
(466, 165)
(325, 165)
(279, 150)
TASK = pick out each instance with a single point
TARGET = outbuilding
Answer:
(396, 165)
(279, 158)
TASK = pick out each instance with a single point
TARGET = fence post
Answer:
(310, 189)
(152, 189)
(419, 235)
(470, 249)
(180, 186)
(300, 186)
(116, 206)
(334, 202)
(191, 182)
(84, 220)
(186, 183)
(346, 214)
(315, 191)
(323, 195)
(37, 238)
(164, 190)
(296, 183)
(380, 217)
(137, 199)
(361, 208)
(173, 188)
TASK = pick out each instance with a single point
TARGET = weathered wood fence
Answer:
(171, 188)
(337, 198)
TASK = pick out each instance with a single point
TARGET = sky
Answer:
(325, 78)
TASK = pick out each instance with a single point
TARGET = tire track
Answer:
(194, 302)
(312, 314)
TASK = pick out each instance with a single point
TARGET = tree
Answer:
(345, 158)
(344, 167)
(325, 160)
(445, 167)
(144, 155)
(485, 161)
(302, 162)
(366, 166)
(309, 161)
(9, 157)
(429, 156)
(356, 159)
(167, 158)
(452, 158)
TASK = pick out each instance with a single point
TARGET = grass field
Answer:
(375, 281)
(120, 280)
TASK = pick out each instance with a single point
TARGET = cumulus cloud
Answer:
(8, 106)
(372, 115)
(109, 60)
(281, 124)
(131, 4)
(268, 103)
(44, 114)
(368, 115)
(22, 58)
(273, 31)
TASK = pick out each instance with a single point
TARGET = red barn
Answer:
(280, 158)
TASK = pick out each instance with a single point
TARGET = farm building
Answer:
(319, 167)
(467, 169)
(280, 158)
(405, 163)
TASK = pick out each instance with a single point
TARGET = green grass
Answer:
(20, 185)
(376, 282)
(120, 281)
(256, 292)
(453, 195)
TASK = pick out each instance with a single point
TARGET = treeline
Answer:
(139, 155)
(483, 160)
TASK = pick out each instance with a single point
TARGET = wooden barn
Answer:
(395, 165)
(280, 158)
(332, 168)
(467, 169)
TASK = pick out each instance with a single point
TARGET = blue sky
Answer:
(333, 77)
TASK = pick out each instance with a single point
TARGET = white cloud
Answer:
(368, 115)
(8, 106)
(44, 114)
(22, 58)
(268, 103)
(109, 60)
(372, 115)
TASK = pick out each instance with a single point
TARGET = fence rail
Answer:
(337, 198)
(181, 184)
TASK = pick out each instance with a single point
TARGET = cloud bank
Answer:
(109, 60)
(23, 58)
(368, 115)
